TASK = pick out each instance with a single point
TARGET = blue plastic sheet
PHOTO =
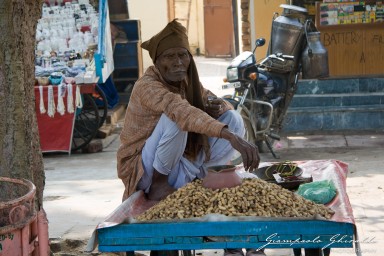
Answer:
(110, 92)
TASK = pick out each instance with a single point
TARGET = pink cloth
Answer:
(319, 170)
(336, 171)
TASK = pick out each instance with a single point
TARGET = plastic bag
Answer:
(321, 192)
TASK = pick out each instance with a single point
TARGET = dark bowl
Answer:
(291, 182)
(266, 172)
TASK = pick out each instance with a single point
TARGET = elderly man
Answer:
(172, 133)
(173, 129)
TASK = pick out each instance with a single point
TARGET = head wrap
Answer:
(172, 36)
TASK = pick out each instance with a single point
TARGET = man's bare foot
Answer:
(160, 188)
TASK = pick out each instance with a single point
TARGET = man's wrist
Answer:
(226, 134)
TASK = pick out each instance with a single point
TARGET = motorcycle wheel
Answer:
(101, 102)
(248, 136)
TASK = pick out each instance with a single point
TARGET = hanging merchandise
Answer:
(334, 12)
(60, 95)
(51, 102)
(70, 108)
(42, 107)
(78, 102)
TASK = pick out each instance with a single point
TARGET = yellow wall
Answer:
(195, 20)
(153, 16)
(263, 13)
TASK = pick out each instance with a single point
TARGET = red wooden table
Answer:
(56, 132)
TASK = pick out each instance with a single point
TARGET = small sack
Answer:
(321, 192)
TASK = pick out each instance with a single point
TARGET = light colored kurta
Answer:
(150, 98)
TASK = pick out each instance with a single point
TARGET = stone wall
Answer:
(245, 26)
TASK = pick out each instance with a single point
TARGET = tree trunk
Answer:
(20, 154)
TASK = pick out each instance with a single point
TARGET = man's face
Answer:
(173, 64)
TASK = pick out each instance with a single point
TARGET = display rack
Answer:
(73, 131)
(354, 50)
(127, 57)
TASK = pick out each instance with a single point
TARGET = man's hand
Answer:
(248, 151)
(160, 188)
(214, 107)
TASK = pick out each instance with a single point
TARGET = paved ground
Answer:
(82, 189)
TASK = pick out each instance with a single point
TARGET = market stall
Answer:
(122, 232)
(352, 32)
(56, 112)
(56, 132)
(73, 55)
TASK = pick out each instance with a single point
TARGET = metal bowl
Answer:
(266, 172)
(291, 182)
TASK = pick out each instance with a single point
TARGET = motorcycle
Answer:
(263, 91)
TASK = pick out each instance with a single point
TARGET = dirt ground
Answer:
(69, 247)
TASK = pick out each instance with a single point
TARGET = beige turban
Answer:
(172, 36)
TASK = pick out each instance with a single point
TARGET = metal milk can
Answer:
(315, 56)
(288, 31)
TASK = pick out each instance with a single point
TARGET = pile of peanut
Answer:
(254, 197)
